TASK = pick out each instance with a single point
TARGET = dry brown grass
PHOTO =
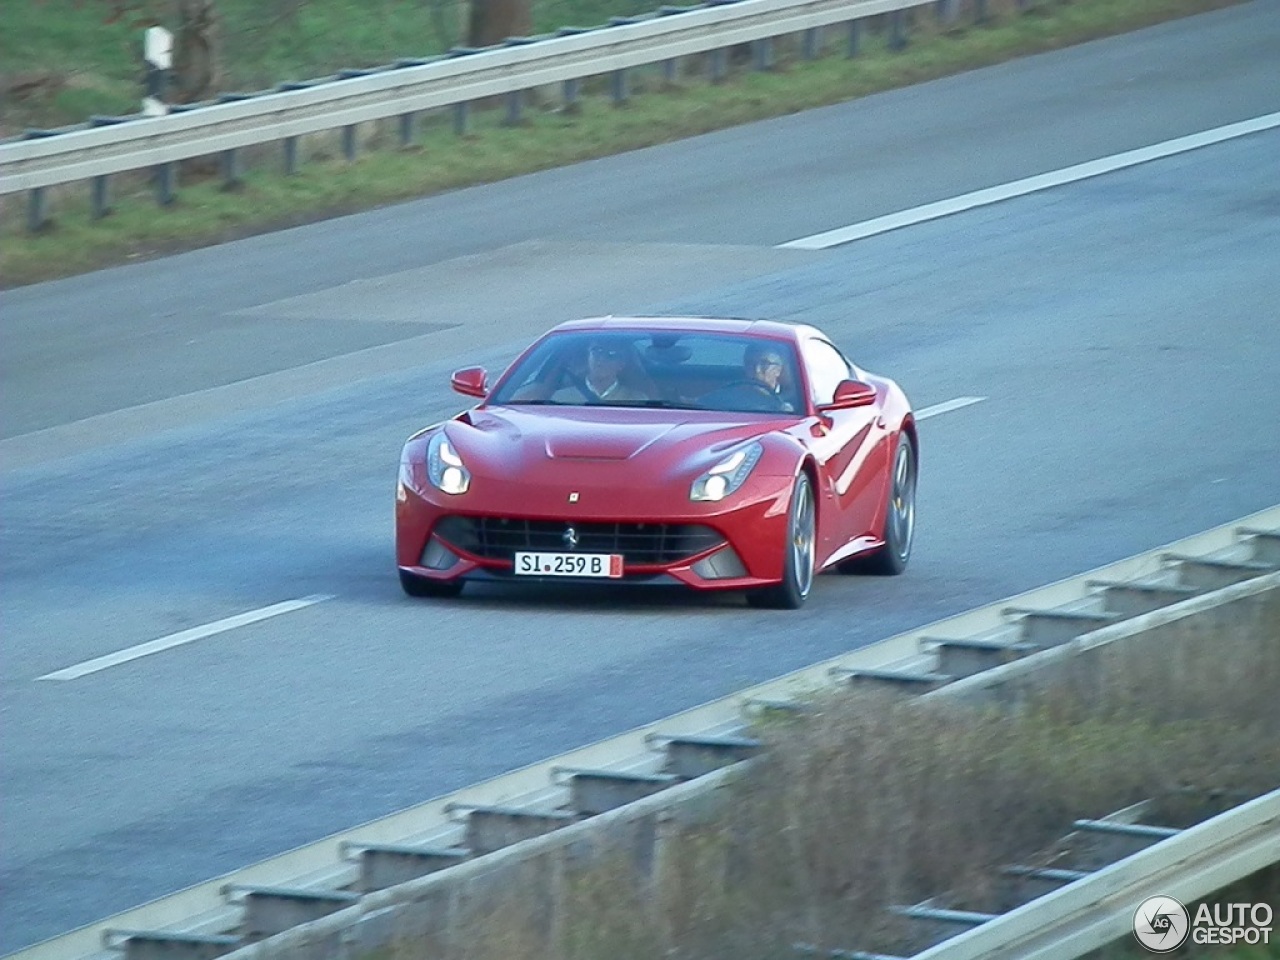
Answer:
(869, 802)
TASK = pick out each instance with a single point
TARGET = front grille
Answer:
(498, 538)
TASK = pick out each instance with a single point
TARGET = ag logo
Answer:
(1161, 924)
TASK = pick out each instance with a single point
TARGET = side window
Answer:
(827, 367)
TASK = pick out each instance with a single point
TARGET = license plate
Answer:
(569, 564)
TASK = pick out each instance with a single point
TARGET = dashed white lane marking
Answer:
(1018, 188)
(182, 637)
(959, 403)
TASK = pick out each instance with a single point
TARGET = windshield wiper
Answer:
(650, 405)
(630, 404)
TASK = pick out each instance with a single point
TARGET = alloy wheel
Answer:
(902, 505)
(802, 537)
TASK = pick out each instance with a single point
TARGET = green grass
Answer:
(91, 62)
(327, 185)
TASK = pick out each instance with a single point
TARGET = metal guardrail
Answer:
(673, 753)
(1100, 873)
(49, 158)
(1098, 909)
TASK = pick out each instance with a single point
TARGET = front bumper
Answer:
(733, 545)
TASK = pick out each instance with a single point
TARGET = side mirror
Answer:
(849, 394)
(470, 381)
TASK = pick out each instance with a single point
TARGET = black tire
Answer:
(899, 518)
(799, 552)
(422, 587)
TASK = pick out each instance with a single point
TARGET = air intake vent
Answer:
(498, 538)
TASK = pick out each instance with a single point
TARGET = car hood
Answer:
(646, 443)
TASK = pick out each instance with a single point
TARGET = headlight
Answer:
(727, 475)
(445, 469)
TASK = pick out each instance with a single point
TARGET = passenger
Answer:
(606, 379)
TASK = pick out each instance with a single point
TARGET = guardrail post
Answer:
(349, 142)
(406, 130)
(291, 143)
(855, 37)
(571, 88)
(515, 105)
(762, 54)
(461, 118)
(491, 828)
(516, 98)
(166, 176)
(621, 88)
(592, 792)
(99, 201)
(290, 156)
(719, 60)
(37, 209)
(230, 169)
(898, 30)
(272, 910)
(384, 865)
(670, 71)
(166, 945)
(980, 11)
(809, 44)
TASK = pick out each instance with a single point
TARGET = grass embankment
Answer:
(71, 59)
(324, 35)
(870, 802)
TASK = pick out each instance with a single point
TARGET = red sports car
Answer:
(721, 454)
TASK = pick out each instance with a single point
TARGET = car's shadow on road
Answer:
(369, 576)
(577, 597)
(545, 597)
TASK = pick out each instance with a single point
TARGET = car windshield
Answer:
(662, 369)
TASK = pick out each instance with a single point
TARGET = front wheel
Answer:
(899, 518)
(416, 586)
(798, 553)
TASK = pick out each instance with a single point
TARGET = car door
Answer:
(850, 448)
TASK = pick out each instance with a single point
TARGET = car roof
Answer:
(774, 329)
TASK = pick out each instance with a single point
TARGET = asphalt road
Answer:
(196, 437)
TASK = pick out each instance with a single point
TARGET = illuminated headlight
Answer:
(727, 475)
(445, 469)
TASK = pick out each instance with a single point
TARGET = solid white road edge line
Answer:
(1018, 188)
(959, 403)
(184, 636)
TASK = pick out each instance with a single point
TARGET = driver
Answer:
(760, 390)
(764, 366)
